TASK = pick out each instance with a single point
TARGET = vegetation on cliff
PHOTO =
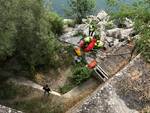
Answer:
(139, 12)
(79, 9)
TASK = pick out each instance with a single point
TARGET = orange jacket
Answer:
(92, 64)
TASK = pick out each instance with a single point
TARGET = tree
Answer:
(7, 28)
(56, 23)
(26, 31)
(36, 42)
(79, 9)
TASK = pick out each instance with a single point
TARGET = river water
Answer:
(59, 5)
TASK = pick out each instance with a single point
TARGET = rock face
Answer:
(110, 36)
(113, 33)
(115, 96)
(114, 60)
(102, 15)
(120, 33)
(123, 92)
(4, 109)
(128, 23)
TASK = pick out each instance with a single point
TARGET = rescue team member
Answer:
(91, 45)
(46, 89)
(77, 51)
(92, 64)
(99, 44)
(92, 29)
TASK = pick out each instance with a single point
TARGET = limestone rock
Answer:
(113, 32)
(128, 23)
(103, 36)
(73, 40)
(4, 109)
(125, 33)
(91, 18)
(84, 20)
(81, 27)
(120, 33)
(116, 42)
(102, 15)
(109, 39)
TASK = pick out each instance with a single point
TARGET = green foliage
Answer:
(7, 28)
(112, 2)
(56, 23)
(109, 25)
(67, 87)
(79, 9)
(139, 12)
(7, 92)
(70, 23)
(36, 45)
(38, 105)
(21, 98)
(143, 45)
(10, 91)
(28, 30)
(80, 74)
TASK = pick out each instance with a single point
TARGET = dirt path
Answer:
(75, 92)
(81, 90)
(29, 83)
(69, 99)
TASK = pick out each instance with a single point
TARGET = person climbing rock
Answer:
(46, 89)
(77, 51)
(90, 46)
(81, 43)
(92, 64)
(92, 28)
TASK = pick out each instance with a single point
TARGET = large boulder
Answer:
(120, 33)
(102, 15)
(73, 40)
(128, 23)
(103, 36)
(82, 28)
(113, 32)
(67, 35)
(92, 18)
(125, 33)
